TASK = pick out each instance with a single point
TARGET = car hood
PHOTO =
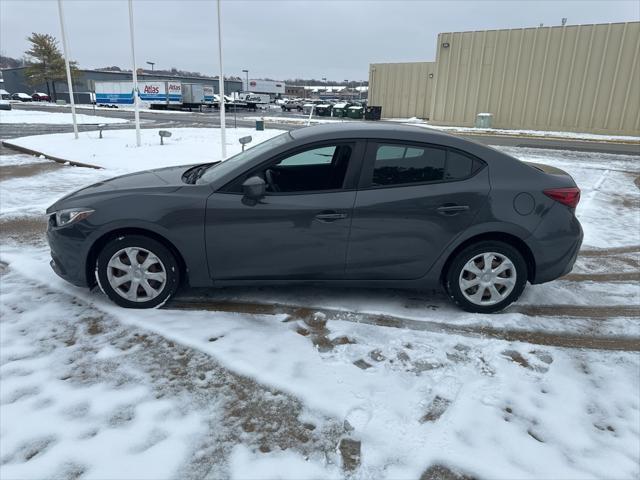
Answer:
(163, 179)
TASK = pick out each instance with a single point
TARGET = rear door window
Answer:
(399, 164)
(459, 165)
(403, 164)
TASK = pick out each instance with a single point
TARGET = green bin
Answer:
(323, 110)
(339, 110)
(355, 112)
(259, 125)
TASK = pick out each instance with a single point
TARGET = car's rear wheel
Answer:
(486, 277)
(135, 271)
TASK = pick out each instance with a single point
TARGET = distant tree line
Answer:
(45, 65)
(331, 83)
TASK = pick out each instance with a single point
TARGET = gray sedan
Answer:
(374, 205)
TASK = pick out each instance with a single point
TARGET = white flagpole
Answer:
(66, 61)
(135, 76)
(221, 88)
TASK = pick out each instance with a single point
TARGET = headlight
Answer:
(71, 215)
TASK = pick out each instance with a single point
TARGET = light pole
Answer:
(221, 87)
(135, 76)
(152, 64)
(247, 84)
(68, 68)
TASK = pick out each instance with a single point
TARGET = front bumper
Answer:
(69, 253)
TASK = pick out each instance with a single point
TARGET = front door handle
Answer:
(330, 216)
(449, 209)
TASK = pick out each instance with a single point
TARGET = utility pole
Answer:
(135, 76)
(65, 46)
(152, 64)
(221, 88)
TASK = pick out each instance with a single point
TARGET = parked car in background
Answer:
(21, 97)
(294, 104)
(40, 97)
(5, 105)
(348, 204)
(4, 95)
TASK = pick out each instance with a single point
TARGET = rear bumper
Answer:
(555, 245)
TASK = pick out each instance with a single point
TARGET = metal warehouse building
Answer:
(577, 78)
(15, 81)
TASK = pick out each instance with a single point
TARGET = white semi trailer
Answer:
(157, 94)
(193, 95)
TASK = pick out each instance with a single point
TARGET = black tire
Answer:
(452, 276)
(167, 263)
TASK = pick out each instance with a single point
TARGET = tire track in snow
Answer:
(596, 189)
(566, 340)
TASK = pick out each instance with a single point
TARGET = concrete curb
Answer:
(19, 148)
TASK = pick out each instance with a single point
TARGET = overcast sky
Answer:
(280, 39)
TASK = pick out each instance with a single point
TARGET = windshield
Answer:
(242, 158)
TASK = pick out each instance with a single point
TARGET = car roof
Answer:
(394, 131)
(385, 130)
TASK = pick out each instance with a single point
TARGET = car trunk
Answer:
(547, 169)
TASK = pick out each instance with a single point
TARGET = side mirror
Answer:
(254, 187)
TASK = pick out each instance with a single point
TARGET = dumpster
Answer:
(355, 112)
(323, 110)
(484, 120)
(339, 110)
(373, 113)
(307, 108)
(260, 125)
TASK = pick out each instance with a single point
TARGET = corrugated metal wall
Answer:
(576, 78)
(402, 89)
(581, 78)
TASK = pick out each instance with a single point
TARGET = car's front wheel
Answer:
(486, 277)
(135, 271)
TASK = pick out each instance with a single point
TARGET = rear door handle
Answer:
(451, 210)
(330, 216)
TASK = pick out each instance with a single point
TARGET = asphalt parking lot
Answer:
(211, 118)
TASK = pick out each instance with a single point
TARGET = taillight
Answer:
(567, 196)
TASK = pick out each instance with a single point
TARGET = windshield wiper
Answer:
(192, 175)
(204, 168)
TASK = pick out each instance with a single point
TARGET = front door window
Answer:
(314, 170)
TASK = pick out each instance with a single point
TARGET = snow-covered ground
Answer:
(117, 149)
(298, 120)
(36, 116)
(403, 379)
(518, 132)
